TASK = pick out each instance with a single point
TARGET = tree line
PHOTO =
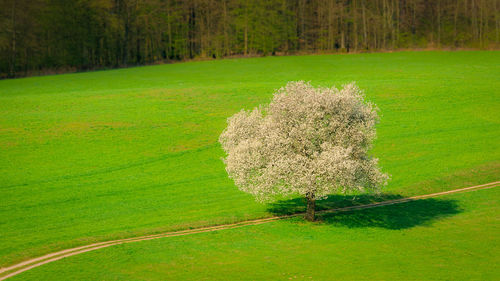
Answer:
(39, 35)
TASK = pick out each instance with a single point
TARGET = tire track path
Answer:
(52, 257)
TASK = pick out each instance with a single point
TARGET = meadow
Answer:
(450, 238)
(101, 155)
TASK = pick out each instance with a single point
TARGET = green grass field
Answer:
(101, 155)
(449, 238)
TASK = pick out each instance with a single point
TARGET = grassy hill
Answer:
(100, 155)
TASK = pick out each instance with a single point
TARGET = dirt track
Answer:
(36, 262)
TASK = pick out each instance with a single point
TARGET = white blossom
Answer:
(308, 141)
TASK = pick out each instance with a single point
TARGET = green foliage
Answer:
(44, 35)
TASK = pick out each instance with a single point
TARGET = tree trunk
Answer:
(170, 54)
(439, 24)
(497, 23)
(246, 30)
(354, 25)
(455, 18)
(311, 207)
(365, 42)
(12, 62)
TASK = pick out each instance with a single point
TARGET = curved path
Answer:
(36, 262)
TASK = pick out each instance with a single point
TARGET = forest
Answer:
(51, 36)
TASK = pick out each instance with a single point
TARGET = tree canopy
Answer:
(36, 35)
(307, 141)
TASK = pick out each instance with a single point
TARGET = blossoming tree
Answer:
(307, 141)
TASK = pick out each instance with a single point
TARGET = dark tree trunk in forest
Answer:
(12, 62)
(246, 30)
(311, 207)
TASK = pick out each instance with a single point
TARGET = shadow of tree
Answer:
(298, 205)
(397, 216)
